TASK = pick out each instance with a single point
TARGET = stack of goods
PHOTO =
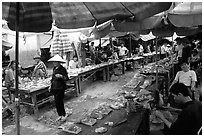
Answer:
(33, 84)
(135, 81)
(152, 69)
(139, 97)
(118, 102)
(163, 66)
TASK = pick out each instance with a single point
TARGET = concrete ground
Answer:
(93, 94)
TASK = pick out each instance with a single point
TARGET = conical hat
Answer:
(57, 58)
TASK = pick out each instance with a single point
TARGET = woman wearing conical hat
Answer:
(58, 85)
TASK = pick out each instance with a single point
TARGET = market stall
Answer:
(30, 90)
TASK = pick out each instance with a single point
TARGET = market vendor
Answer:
(74, 63)
(88, 61)
(40, 70)
(123, 51)
(189, 120)
(141, 50)
(186, 76)
(101, 58)
(58, 85)
(164, 50)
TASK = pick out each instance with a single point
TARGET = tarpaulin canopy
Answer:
(39, 16)
(147, 37)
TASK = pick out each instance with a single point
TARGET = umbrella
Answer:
(6, 45)
(39, 16)
(186, 14)
(182, 18)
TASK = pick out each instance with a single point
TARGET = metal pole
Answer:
(130, 46)
(100, 42)
(17, 104)
(156, 64)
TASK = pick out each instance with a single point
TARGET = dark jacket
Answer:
(59, 83)
(189, 120)
(186, 53)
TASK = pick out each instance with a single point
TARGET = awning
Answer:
(147, 37)
(39, 16)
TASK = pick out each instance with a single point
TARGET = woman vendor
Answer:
(58, 85)
(40, 70)
(73, 64)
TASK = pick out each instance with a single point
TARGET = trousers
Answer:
(59, 102)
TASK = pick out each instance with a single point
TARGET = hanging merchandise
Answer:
(61, 44)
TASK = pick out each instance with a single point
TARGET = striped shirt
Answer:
(40, 66)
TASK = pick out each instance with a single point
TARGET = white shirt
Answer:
(141, 49)
(122, 51)
(163, 49)
(186, 77)
(73, 64)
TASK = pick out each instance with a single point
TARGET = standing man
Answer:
(163, 51)
(123, 51)
(186, 54)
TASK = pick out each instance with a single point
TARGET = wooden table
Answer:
(137, 123)
(34, 92)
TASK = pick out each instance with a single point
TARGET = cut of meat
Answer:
(71, 128)
(101, 130)
(88, 121)
(96, 115)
